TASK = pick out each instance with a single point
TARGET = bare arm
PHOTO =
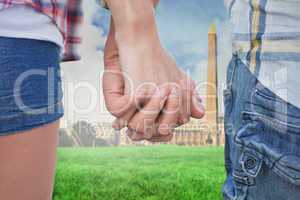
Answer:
(134, 20)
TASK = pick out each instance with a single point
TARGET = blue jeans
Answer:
(30, 84)
(262, 150)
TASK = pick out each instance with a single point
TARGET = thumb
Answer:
(117, 102)
(111, 51)
(113, 80)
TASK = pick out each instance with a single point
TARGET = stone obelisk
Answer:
(212, 86)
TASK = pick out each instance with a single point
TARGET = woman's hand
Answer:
(144, 88)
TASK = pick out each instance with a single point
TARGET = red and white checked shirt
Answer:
(67, 15)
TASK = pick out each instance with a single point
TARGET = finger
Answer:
(111, 52)
(116, 101)
(162, 138)
(197, 110)
(185, 111)
(168, 119)
(142, 97)
(113, 80)
(144, 120)
(123, 120)
(134, 136)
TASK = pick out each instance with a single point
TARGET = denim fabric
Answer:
(30, 84)
(262, 151)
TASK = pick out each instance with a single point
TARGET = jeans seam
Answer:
(272, 121)
(231, 78)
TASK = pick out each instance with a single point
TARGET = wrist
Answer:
(134, 20)
(138, 33)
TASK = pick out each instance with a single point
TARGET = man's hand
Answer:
(143, 87)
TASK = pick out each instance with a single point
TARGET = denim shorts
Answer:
(30, 84)
(262, 150)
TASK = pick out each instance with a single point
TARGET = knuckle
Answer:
(131, 126)
(164, 129)
(114, 112)
(122, 122)
(135, 139)
(170, 137)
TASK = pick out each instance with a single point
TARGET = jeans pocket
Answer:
(271, 129)
(280, 152)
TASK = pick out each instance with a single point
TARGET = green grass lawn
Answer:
(140, 173)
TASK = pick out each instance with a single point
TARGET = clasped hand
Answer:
(146, 91)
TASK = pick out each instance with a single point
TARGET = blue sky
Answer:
(183, 27)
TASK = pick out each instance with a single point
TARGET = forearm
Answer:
(134, 20)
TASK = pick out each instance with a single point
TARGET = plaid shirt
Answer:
(65, 14)
(266, 33)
